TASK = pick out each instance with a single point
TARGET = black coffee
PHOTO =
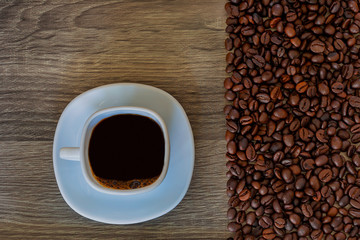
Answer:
(127, 151)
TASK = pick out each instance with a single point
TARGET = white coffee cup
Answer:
(81, 153)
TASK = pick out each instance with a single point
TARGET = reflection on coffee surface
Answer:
(127, 151)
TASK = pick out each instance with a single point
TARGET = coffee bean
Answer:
(354, 101)
(246, 120)
(228, 44)
(355, 138)
(247, 31)
(337, 87)
(263, 98)
(355, 203)
(354, 212)
(348, 71)
(265, 222)
(288, 140)
(307, 210)
(290, 31)
(275, 93)
(250, 153)
(304, 105)
(321, 160)
(317, 235)
(276, 39)
(336, 143)
(231, 213)
(278, 186)
(345, 200)
(244, 195)
(314, 183)
(355, 129)
(335, 7)
(280, 113)
(277, 10)
(279, 222)
(333, 57)
(317, 46)
(234, 227)
(354, 192)
(268, 233)
(259, 61)
(303, 230)
(321, 136)
(295, 219)
(265, 38)
(315, 223)
(323, 89)
(267, 76)
(231, 147)
(250, 218)
(330, 29)
(325, 175)
(291, 16)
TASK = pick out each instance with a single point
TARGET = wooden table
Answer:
(53, 50)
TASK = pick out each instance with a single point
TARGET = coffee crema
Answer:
(127, 151)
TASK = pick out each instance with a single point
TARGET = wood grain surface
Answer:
(53, 50)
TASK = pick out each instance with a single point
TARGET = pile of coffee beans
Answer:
(293, 125)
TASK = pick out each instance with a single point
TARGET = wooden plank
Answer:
(54, 50)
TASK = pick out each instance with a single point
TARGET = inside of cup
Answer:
(96, 119)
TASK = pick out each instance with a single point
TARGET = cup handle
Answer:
(70, 153)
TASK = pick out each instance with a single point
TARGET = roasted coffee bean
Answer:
(247, 31)
(303, 230)
(354, 192)
(317, 235)
(354, 212)
(268, 233)
(354, 101)
(356, 138)
(275, 93)
(263, 98)
(250, 153)
(244, 195)
(336, 143)
(234, 227)
(317, 46)
(267, 76)
(315, 223)
(325, 175)
(301, 87)
(307, 210)
(229, 44)
(355, 129)
(295, 219)
(344, 201)
(288, 140)
(265, 222)
(315, 183)
(321, 160)
(231, 213)
(279, 223)
(355, 203)
(287, 175)
(348, 72)
(259, 61)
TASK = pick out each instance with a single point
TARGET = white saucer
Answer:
(113, 209)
